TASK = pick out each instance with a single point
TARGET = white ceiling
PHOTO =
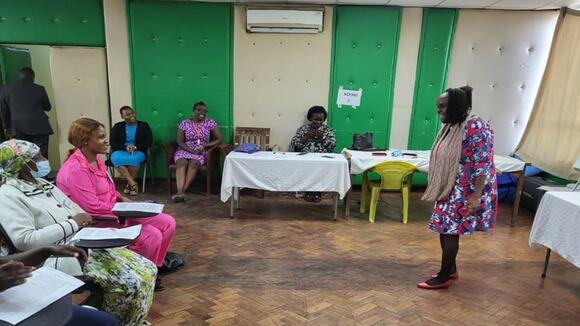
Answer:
(486, 4)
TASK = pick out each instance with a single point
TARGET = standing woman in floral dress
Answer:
(462, 180)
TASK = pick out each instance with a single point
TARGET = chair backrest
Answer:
(5, 242)
(258, 136)
(169, 151)
(394, 174)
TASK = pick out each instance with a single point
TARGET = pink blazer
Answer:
(90, 188)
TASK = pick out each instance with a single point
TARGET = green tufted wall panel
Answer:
(364, 56)
(53, 22)
(432, 68)
(181, 54)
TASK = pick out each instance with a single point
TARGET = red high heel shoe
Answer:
(442, 286)
(452, 276)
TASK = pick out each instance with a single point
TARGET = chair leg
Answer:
(364, 193)
(374, 201)
(208, 183)
(170, 183)
(144, 178)
(405, 203)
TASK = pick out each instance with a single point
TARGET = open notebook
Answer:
(133, 209)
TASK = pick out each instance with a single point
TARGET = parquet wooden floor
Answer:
(285, 262)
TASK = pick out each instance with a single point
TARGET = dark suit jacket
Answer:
(143, 137)
(22, 107)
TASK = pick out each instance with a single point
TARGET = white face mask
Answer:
(43, 168)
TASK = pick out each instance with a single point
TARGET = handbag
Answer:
(361, 142)
(246, 148)
(172, 262)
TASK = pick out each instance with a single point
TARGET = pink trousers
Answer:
(155, 238)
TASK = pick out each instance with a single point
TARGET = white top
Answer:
(35, 217)
(285, 172)
(360, 161)
(557, 225)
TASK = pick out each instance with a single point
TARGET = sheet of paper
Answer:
(553, 188)
(45, 286)
(349, 97)
(108, 233)
(138, 207)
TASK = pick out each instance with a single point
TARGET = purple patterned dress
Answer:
(476, 159)
(196, 134)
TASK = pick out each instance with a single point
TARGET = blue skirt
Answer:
(123, 158)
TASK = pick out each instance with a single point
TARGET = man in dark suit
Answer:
(22, 110)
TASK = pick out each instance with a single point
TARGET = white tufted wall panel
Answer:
(79, 79)
(502, 55)
(409, 40)
(117, 56)
(277, 77)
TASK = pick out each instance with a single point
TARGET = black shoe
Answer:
(158, 286)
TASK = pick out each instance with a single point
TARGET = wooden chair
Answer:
(258, 136)
(211, 163)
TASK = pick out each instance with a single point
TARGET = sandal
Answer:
(127, 189)
(134, 190)
(308, 197)
(178, 198)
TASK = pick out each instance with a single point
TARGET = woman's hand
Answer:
(83, 219)
(198, 150)
(68, 251)
(13, 273)
(131, 149)
(473, 204)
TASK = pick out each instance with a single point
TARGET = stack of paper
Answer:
(130, 233)
(45, 286)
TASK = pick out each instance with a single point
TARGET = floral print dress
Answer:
(476, 159)
(196, 134)
(127, 280)
(326, 145)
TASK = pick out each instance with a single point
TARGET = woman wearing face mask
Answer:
(130, 141)
(462, 180)
(83, 178)
(35, 214)
(194, 138)
(314, 137)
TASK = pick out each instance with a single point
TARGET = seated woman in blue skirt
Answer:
(130, 141)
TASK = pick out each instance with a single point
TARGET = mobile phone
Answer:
(379, 154)
(410, 155)
(303, 153)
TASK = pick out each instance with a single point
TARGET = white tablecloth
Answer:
(285, 172)
(557, 225)
(361, 161)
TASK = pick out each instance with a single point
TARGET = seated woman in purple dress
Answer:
(194, 138)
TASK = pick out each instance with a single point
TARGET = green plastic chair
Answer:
(395, 176)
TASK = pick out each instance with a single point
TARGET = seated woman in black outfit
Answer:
(130, 141)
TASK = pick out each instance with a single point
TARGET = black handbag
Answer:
(172, 262)
(361, 142)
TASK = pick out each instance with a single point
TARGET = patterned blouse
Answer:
(325, 145)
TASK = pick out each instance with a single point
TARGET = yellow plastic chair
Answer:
(395, 176)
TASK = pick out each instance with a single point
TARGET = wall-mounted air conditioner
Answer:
(287, 20)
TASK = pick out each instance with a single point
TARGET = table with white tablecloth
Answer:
(557, 226)
(361, 161)
(288, 172)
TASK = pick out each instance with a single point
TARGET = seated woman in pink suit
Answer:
(83, 178)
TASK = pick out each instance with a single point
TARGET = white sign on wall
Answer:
(348, 97)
